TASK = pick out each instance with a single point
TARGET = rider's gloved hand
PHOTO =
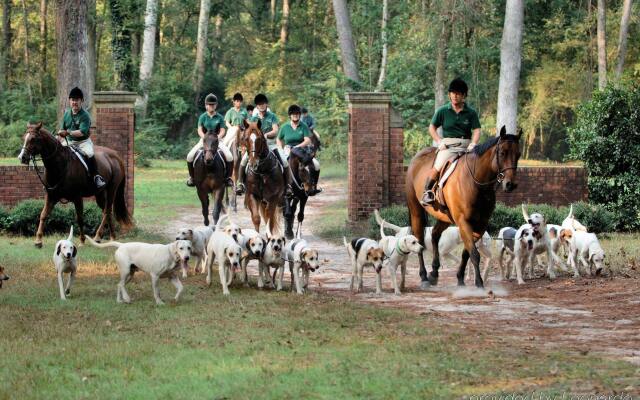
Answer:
(63, 133)
(442, 146)
(471, 146)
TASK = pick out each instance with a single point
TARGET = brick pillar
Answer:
(114, 119)
(396, 159)
(368, 155)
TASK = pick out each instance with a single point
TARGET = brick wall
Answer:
(113, 119)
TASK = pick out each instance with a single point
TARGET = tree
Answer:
(345, 37)
(284, 28)
(72, 43)
(602, 44)
(6, 44)
(148, 50)
(121, 45)
(510, 63)
(441, 57)
(622, 41)
(203, 25)
(383, 62)
(43, 32)
(27, 61)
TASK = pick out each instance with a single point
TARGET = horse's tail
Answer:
(120, 204)
(103, 245)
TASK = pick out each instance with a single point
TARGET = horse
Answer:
(469, 198)
(209, 177)
(66, 178)
(265, 180)
(300, 186)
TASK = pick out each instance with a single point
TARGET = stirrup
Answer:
(190, 182)
(99, 182)
(314, 192)
(428, 197)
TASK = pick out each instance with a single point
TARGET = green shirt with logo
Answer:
(235, 117)
(266, 122)
(293, 137)
(211, 122)
(77, 122)
(456, 125)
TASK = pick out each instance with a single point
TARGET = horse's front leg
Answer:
(462, 267)
(217, 204)
(254, 208)
(436, 232)
(418, 222)
(466, 233)
(79, 205)
(204, 202)
(46, 210)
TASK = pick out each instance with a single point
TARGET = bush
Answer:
(150, 143)
(23, 219)
(607, 139)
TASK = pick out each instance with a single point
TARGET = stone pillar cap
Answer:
(116, 96)
(368, 97)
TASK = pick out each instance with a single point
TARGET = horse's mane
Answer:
(489, 143)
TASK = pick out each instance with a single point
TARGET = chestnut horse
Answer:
(66, 178)
(264, 180)
(469, 195)
(209, 177)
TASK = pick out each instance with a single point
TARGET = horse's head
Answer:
(507, 155)
(254, 141)
(210, 145)
(33, 142)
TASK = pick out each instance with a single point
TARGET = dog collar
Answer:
(400, 250)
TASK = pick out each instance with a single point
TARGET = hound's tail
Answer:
(382, 235)
(103, 245)
(70, 238)
(385, 224)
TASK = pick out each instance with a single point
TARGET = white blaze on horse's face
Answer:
(252, 154)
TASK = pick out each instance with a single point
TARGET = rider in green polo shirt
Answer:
(268, 126)
(460, 133)
(211, 121)
(296, 135)
(76, 123)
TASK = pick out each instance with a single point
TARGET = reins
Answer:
(499, 176)
(43, 157)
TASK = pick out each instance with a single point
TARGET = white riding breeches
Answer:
(230, 136)
(85, 146)
(454, 146)
(221, 146)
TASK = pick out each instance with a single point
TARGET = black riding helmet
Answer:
(76, 93)
(260, 99)
(294, 109)
(459, 86)
(211, 99)
(304, 110)
(238, 96)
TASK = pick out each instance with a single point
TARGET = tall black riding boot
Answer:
(315, 176)
(228, 171)
(288, 193)
(190, 180)
(93, 171)
(428, 197)
(240, 181)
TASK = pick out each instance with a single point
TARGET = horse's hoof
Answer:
(425, 285)
(461, 284)
(433, 280)
(38, 244)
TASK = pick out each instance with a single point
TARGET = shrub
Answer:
(23, 219)
(606, 138)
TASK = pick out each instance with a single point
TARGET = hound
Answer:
(397, 251)
(253, 245)
(272, 258)
(199, 237)
(227, 252)
(505, 246)
(3, 276)
(158, 260)
(571, 223)
(302, 259)
(524, 250)
(538, 223)
(586, 248)
(364, 252)
(560, 238)
(65, 261)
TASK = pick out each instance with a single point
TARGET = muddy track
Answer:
(599, 315)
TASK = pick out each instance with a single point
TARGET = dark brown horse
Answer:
(265, 180)
(469, 195)
(300, 186)
(66, 178)
(209, 177)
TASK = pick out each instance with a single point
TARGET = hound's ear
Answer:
(524, 232)
(191, 232)
(58, 249)
(240, 230)
(75, 251)
(174, 248)
(39, 126)
(503, 131)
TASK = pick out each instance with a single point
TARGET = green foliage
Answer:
(23, 219)
(606, 138)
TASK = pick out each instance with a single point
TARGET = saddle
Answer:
(446, 172)
(81, 156)
(305, 154)
(200, 154)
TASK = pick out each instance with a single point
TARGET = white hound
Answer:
(586, 248)
(302, 259)
(65, 261)
(199, 237)
(223, 249)
(397, 251)
(364, 252)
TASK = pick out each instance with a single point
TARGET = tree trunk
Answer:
(441, 63)
(148, 50)
(27, 61)
(92, 60)
(6, 44)
(100, 23)
(510, 59)
(602, 44)
(284, 28)
(121, 45)
(216, 51)
(43, 34)
(272, 15)
(383, 62)
(203, 24)
(72, 43)
(345, 37)
(622, 41)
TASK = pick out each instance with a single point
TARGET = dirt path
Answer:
(585, 315)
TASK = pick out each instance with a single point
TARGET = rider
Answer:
(234, 118)
(211, 121)
(295, 135)
(75, 126)
(268, 126)
(250, 108)
(308, 119)
(460, 132)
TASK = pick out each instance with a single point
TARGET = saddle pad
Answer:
(448, 172)
(80, 157)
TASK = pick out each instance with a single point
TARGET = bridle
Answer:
(499, 176)
(33, 159)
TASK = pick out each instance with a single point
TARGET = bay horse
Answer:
(264, 179)
(300, 186)
(66, 178)
(209, 177)
(469, 197)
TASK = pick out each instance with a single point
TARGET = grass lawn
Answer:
(253, 344)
